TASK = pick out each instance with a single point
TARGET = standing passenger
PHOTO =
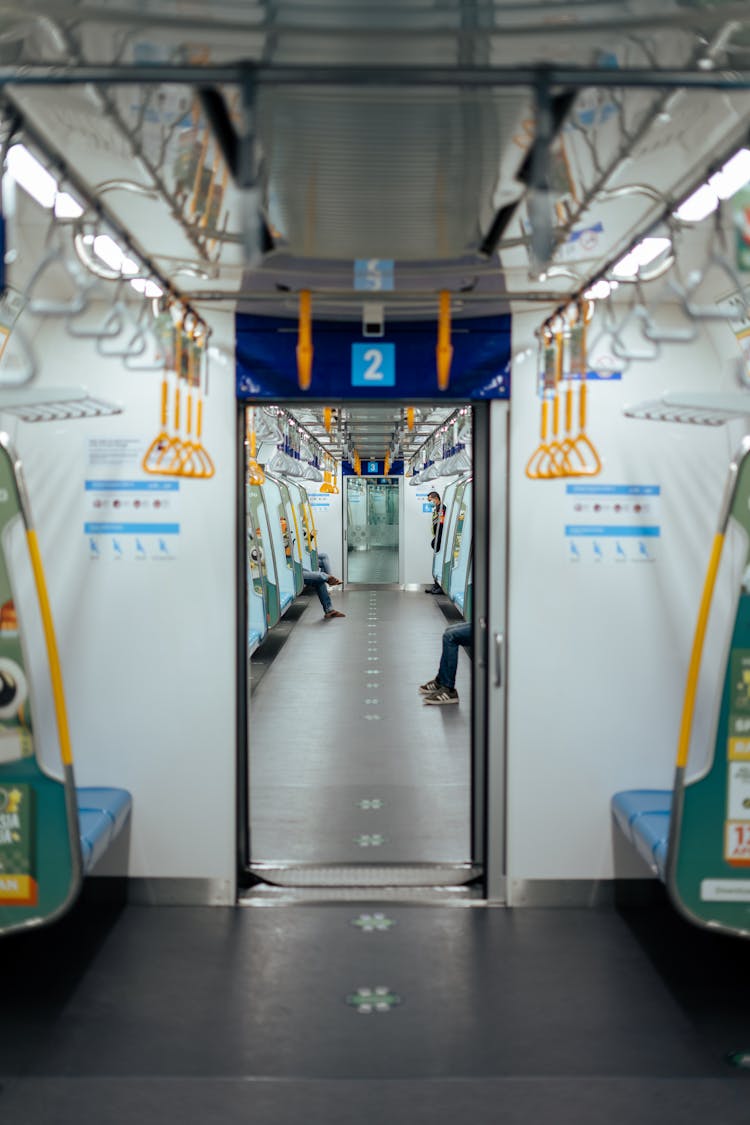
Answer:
(438, 519)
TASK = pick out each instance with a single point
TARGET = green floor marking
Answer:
(372, 841)
(369, 1000)
(370, 923)
(371, 803)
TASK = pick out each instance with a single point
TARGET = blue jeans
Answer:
(320, 585)
(453, 636)
(324, 563)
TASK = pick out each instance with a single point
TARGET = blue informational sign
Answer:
(374, 365)
(373, 274)
(373, 469)
(267, 361)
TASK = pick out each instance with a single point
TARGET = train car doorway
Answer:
(347, 777)
(372, 530)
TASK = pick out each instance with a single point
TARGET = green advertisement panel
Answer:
(709, 855)
(40, 866)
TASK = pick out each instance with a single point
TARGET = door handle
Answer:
(499, 641)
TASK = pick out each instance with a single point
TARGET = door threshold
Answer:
(366, 875)
(264, 894)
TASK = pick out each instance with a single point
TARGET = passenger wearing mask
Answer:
(438, 519)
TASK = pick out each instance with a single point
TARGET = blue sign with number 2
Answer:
(373, 365)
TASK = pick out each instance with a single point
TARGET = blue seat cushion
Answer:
(644, 815)
(651, 832)
(102, 813)
(286, 601)
(631, 804)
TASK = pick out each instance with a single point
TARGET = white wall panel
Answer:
(598, 653)
(147, 646)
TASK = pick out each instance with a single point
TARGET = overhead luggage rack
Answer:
(693, 408)
(55, 404)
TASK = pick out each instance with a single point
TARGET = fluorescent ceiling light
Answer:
(66, 206)
(147, 288)
(29, 174)
(40, 184)
(644, 252)
(722, 185)
(110, 253)
(599, 291)
(732, 176)
(698, 205)
(113, 255)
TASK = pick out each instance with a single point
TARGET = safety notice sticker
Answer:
(132, 520)
(612, 523)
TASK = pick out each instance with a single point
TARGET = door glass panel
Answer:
(372, 507)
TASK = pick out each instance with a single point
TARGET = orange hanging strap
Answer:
(304, 341)
(444, 351)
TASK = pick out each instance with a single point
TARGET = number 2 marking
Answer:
(374, 357)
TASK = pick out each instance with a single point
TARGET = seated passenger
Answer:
(324, 564)
(442, 689)
(319, 581)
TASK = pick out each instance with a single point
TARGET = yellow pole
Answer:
(683, 743)
(55, 671)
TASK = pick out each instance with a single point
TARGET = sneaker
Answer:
(442, 696)
(435, 589)
(430, 687)
(333, 613)
(333, 581)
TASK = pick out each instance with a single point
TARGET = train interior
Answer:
(323, 800)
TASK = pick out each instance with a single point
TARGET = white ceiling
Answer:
(414, 174)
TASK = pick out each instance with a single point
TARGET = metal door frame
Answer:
(490, 428)
(491, 421)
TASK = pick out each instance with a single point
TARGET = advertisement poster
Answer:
(18, 884)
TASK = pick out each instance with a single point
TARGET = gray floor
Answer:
(377, 565)
(347, 765)
(370, 1012)
(259, 1016)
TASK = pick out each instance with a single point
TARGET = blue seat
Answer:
(644, 815)
(102, 814)
(286, 601)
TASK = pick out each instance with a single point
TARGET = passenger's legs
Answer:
(319, 584)
(453, 636)
(324, 562)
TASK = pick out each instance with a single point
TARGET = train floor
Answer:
(372, 1012)
(368, 1008)
(348, 766)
